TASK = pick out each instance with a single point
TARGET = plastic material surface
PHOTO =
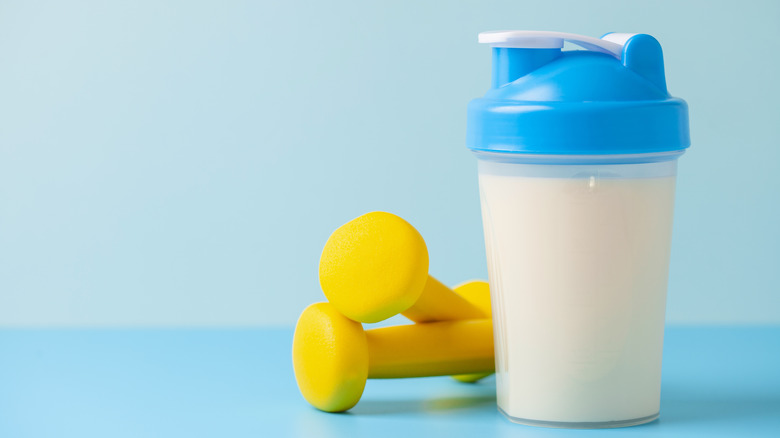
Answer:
(432, 349)
(330, 358)
(376, 266)
(717, 382)
(527, 39)
(373, 267)
(476, 292)
(578, 258)
(333, 356)
(545, 100)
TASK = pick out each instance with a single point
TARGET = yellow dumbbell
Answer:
(333, 356)
(477, 293)
(376, 266)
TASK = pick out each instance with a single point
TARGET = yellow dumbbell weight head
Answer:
(330, 358)
(331, 353)
(374, 267)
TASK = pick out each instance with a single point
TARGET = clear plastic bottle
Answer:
(577, 158)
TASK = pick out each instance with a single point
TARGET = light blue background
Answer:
(183, 163)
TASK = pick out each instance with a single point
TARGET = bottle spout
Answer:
(511, 63)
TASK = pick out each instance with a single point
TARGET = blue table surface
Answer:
(717, 381)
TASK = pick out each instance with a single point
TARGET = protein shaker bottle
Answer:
(577, 153)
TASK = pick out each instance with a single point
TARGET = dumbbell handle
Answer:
(437, 302)
(433, 349)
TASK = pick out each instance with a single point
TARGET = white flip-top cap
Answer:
(611, 44)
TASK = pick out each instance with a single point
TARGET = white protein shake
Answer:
(578, 258)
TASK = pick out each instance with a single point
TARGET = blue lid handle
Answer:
(643, 54)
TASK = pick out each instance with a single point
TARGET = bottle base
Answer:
(581, 424)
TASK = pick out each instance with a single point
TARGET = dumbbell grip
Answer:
(434, 349)
(437, 302)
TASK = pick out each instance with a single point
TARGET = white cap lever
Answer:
(531, 39)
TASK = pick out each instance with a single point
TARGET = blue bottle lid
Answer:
(608, 99)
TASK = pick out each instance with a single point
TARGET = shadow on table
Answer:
(364, 419)
(454, 397)
(382, 407)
